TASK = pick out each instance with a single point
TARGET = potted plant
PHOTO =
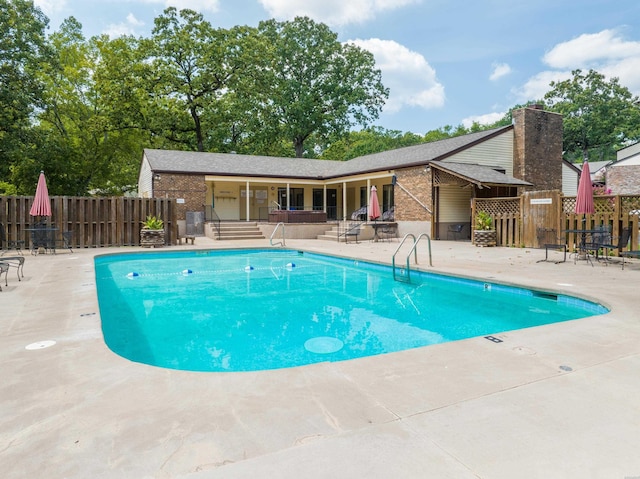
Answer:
(152, 232)
(484, 233)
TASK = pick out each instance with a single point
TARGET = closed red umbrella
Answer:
(41, 205)
(374, 206)
(584, 200)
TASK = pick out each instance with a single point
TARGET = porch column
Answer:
(368, 198)
(288, 197)
(344, 201)
(324, 198)
(248, 200)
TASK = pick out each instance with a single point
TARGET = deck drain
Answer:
(39, 345)
(323, 345)
(493, 339)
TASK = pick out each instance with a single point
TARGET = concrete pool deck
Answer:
(556, 401)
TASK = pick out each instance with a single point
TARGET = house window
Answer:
(296, 200)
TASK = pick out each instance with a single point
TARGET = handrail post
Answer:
(282, 243)
(414, 250)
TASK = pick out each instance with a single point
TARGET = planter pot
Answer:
(149, 238)
(484, 237)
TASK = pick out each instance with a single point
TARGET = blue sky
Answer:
(445, 62)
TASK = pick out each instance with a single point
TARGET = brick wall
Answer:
(624, 180)
(538, 148)
(418, 181)
(191, 188)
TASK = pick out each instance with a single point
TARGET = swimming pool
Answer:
(246, 310)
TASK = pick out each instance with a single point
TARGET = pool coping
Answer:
(552, 401)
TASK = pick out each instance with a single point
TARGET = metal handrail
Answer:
(281, 243)
(414, 250)
(215, 219)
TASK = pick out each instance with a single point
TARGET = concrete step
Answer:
(239, 230)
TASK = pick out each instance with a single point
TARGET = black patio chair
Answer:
(455, 231)
(549, 240)
(4, 268)
(7, 244)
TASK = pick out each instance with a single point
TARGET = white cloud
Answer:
(591, 51)
(128, 27)
(49, 7)
(606, 51)
(499, 70)
(407, 74)
(538, 85)
(332, 12)
(196, 5)
(486, 119)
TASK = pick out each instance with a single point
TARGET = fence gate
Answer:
(541, 209)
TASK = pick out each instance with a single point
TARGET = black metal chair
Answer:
(67, 240)
(7, 244)
(455, 231)
(4, 268)
(16, 262)
(619, 246)
(549, 240)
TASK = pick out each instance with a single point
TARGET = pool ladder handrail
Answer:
(281, 243)
(414, 250)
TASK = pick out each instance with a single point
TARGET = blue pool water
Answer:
(246, 310)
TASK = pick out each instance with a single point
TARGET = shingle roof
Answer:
(480, 174)
(267, 166)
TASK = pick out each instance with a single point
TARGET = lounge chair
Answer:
(6, 244)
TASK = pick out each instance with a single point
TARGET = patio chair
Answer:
(67, 240)
(549, 240)
(387, 232)
(16, 262)
(4, 268)
(621, 244)
(353, 230)
(599, 239)
(7, 244)
(455, 231)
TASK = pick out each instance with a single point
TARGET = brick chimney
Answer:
(537, 153)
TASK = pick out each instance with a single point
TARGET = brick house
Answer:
(623, 176)
(429, 186)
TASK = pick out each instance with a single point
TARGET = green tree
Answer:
(190, 67)
(311, 84)
(23, 49)
(368, 141)
(599, 116)
(77, 139)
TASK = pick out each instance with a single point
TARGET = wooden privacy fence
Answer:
(93, 222)
(517, 220)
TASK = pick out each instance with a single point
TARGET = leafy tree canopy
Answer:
(599, 116)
